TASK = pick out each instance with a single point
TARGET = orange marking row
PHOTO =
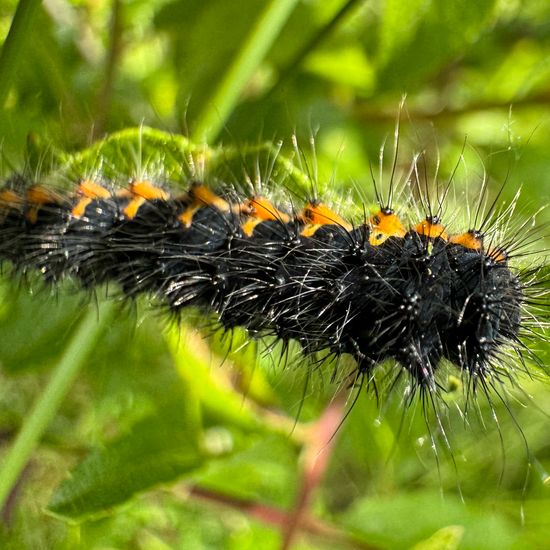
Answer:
(471, 239)
(383, 224)
(35, 196)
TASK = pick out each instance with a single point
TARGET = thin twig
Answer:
(316, 459)
(271, 515)
(323, 33)
(114, 54)
(369, 112)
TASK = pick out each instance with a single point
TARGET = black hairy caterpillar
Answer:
(376, 289)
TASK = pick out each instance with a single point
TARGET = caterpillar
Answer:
(377, 288)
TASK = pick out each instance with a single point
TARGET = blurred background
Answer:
(173, 438)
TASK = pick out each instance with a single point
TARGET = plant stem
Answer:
(14, 44)
(312, 44)
(104, 97)
(44, 410)
(263, 34)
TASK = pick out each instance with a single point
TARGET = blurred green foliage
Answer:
(175, 440)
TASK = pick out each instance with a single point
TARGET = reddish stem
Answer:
(316, 458)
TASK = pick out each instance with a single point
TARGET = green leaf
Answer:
(265, 470)
(447, 538)
(134, 152)
(52, 322)
(159, 449)
(402, 520)
(146, 152)
(220, 403)
(344, 66)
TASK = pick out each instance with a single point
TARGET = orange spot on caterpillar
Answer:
(92, 190)
(141, 192)
(204, 196)
(131, 209)
(249, 225)
(89, 190)
(199, 196)
(260, 209)
(431, 228)
(498, 254)
(321, 214)
(316, 214)
(80, 207)
(186, 217)
(146, 190)
(37, 196)
(309, 230)
(9, 199)
(471, 239)
(385, 224)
